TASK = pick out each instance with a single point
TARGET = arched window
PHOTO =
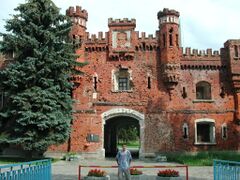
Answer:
(203, 90)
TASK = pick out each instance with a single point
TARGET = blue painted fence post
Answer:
(226, 170)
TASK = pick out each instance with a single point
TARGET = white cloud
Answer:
(204, 24)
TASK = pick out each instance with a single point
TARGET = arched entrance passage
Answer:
(115, 126)
(115, 118)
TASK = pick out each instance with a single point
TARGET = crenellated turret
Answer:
(170, 51)
(79, 19)
(232, 48)
(78, 16)
(78, 34)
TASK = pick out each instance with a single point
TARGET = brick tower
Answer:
(170, 50)
(79, 19)
(232, 48)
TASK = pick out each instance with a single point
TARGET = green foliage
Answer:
(39, 107)
(127, 134)
(70, 156)
(13, 160)
(203, 158)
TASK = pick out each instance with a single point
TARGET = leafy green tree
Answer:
(127, 134)
(39, 106)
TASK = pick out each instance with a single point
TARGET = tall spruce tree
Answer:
(39, 106)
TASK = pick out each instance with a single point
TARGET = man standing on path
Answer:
(124, 159)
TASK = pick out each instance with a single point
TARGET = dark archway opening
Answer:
(114, 133)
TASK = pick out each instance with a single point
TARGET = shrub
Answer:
(70, 156)
(168, 173)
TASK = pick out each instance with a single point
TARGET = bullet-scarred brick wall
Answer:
(170, 99)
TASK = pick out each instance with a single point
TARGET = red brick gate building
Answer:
(180, 99)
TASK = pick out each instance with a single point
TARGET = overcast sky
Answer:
(204, 24)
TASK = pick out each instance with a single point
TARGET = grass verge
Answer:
(131, 144)
(13, 160)
(203, 158)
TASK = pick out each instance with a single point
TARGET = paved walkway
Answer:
(65, 170)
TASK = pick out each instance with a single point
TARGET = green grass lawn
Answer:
(13, 160)
(132, 144)
(203, 158)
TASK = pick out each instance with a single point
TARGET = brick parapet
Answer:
(77, 12)
(141, 43)
(121, 22)
(207, 54)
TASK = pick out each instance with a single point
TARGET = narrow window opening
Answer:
(171, 37)
(95, 83)
(236, 51)
(185, 131)
(184, 93)
(149, 82)
(222, 93)
(74, 38)
(144, 46)
(170, 40)
(224, 131)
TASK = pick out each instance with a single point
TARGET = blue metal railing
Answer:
(226, 170)
(33, 170)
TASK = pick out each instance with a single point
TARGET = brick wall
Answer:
(165, 105)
